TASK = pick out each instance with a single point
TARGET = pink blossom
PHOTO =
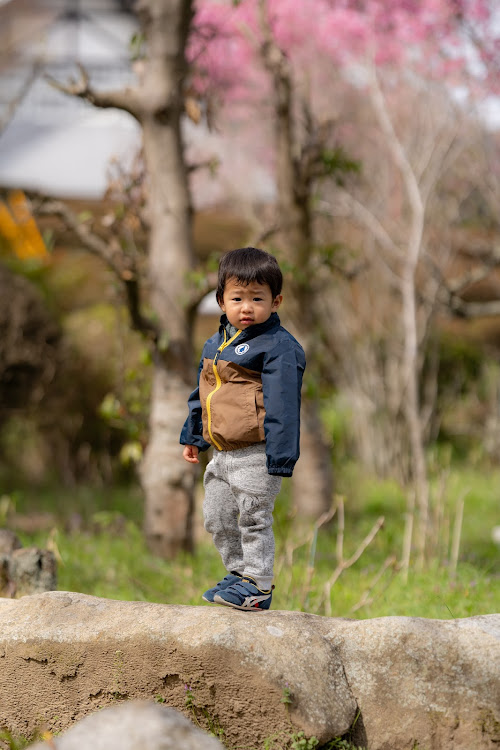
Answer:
(429, 35)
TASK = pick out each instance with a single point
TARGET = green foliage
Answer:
(104, 554)
(301, 742)
(137, 46)
(335, 416)
(163, 341)
(127, 410)
(287, 696)
(49, 240)
(98, 533)
(336, 163)
(98, 361)
(460, 360)
(339, 743)
(16, 742)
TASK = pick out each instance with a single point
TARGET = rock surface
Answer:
(433, 682)
(407, 680)
(24, 570)
(134, 725)
(64, 655)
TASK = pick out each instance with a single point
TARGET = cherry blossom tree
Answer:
(269, 63)
(278, 58)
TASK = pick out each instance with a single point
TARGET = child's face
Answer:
(248, 304)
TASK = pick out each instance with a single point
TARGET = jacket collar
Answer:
(252, 331)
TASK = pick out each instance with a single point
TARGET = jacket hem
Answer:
(281, 471)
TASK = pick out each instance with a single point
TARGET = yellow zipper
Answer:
(218, 384)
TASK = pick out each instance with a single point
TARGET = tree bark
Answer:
(410, 366)
(168, 484)
(313, 476)
(157, 102)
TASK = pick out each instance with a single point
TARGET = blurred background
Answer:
(361, 146)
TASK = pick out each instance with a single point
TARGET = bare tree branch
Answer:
(463, 309)
(349, 206)
(110, 252)
(394, 145)
(17, 101)
(126, 99)
(199, 291)
(489, 262)
(265, 234)
(368, 219)
(451, 290)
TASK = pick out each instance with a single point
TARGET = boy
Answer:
(247, 406)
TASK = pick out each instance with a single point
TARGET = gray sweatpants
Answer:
(238, 511)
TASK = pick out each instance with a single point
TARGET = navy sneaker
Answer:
(231, 578)
(244, 594)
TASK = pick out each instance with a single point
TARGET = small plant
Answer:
(287, 695)
(7, 506)
(339, 743)
(301, 742)
(11, 742)
(211, 722)
(189, 698)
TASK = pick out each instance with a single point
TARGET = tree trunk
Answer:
(167, 480)
(411, 379)
(313, 480)
(410, 365)
(168, 487)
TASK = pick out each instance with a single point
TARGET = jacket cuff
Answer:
(280, 471)
(198, 442)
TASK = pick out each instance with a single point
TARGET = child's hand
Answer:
(190, 453)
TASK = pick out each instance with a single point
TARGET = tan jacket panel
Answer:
(235, 416)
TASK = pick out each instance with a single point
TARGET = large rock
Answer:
(64, 655)
(406, 681)
(25, 570)
(134, 725)
(430, 684)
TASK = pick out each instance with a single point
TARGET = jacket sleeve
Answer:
(192, 432)
(282, 373)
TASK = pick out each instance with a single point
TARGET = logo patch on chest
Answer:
(241, 349)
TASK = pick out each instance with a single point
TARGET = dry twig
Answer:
(344, 564)
(390, 562)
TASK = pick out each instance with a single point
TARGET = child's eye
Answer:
(236, 299)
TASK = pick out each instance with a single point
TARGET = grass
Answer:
(97, 534)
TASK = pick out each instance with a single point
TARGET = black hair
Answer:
(247, 265)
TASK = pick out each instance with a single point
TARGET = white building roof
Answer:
(51, 142)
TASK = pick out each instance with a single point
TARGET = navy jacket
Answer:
(248, 392)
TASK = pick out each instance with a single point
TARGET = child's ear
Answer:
(277, 301)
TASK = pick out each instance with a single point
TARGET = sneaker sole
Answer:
(239, 606)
